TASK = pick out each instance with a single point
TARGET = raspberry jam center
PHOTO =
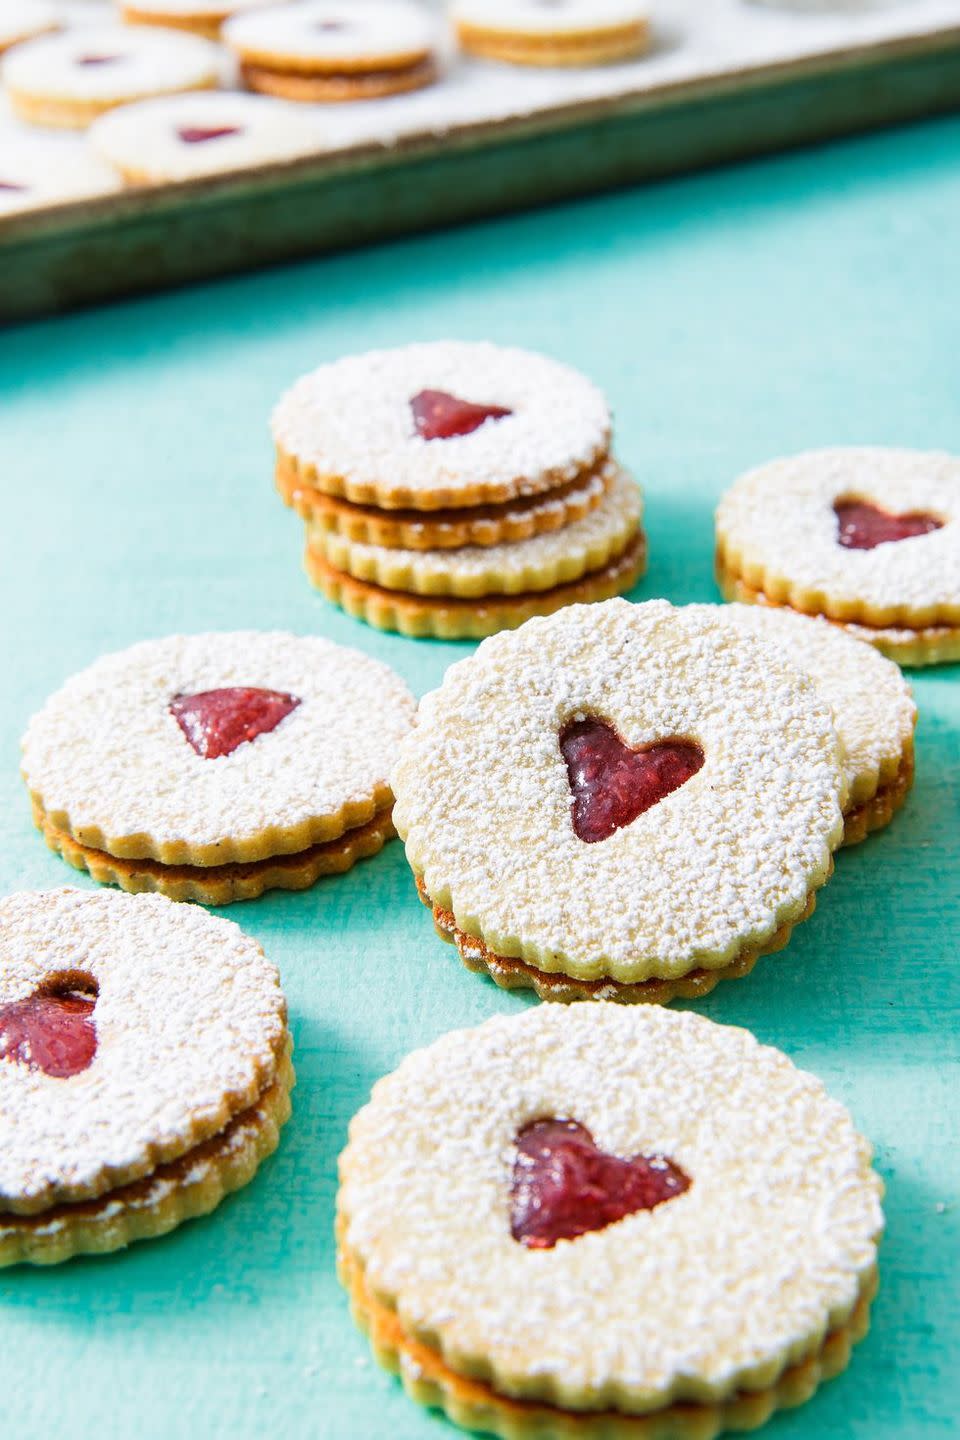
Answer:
(90, 60)
(11, 187)
(52, 1032)
(439, 416)
(216, 722)
(611, 784)
(199, 134)
(861, 526)
(564, 1186)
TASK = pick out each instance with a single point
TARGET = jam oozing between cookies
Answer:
(440, 416)
(611, 784)
(862, 526)
(564, 1186)
(200, 134)
(216, 722)
(52, 1031)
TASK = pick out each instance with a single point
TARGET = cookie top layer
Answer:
(190, 1025)
(196, 9)
(778, 529)
(738, 1277)
(508, 569)
(43, 170)
(181, 136)
(351, 35)
(23, 19)
(350, 426)
(112, 63)
(560, 17)
(484, 801)
(109, 763)
(872, 705)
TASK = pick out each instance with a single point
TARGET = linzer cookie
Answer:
(868, 538)
(508, 1193)
(214, 767)
(66, 81)
(22, 20)
(325, 50)
(39, 170)
(183, 136)
(552, 32)
(144, 1069)
(873, 710)
(622, 801)
(201, 17)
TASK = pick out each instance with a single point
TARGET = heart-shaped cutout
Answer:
(216, 722)
(11, 186)
(611, 784)
(564, 1186)
(440, 416)
(862, 526)
(200, 134)
(52, 1030)
(92, 60)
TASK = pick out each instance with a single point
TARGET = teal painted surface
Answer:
(731, 317)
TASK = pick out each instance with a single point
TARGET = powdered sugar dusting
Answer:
(532, 17)
(190, 1021)
(149, 61)
(106, 756)
(483, 801)
(347, 33)
(739, 1276)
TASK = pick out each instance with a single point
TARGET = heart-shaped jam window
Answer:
(216, 722)
(52, 1030)
(611, 784)
(439, 416)
(565, 1186)
(92, 60)
(862, 526)
(11, 187)
(200, 134)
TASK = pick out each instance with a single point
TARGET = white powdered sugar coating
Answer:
(558, 17)
(143, 61)
(353, 420)
(189, 1018)
(38, 170)
(144, 140)
(776, 528)
(872, 705)
(23, 19)
(484, 804)
(718, 1288)
(195, 9)
(105, 754)
(377, 31)
(539, 563)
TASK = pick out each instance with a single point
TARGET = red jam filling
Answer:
(439, 416)
(215, 722)
(98, 59)
(54, 1033)
(563, 1186)
(9, 185)
(611, 784)
(861, 526)
(198, 134)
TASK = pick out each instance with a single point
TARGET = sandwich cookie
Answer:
(552, 32)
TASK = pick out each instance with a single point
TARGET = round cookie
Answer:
(322, 50)
(543, 563)
(508, 1193)
(24, 20)
(144, 1068)
(868, 537)
(200, 17)
(39, 170)
(213, 767)
(560, 32)
(673, 792)
(514, 520)
(66, 81)
(183, 136)
(873, 710)
(441, 425)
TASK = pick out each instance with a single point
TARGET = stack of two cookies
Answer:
(455, 489)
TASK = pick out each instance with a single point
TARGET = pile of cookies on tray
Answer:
(614, 803)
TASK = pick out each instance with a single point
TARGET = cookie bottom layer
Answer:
(877, 812)
(182, 1190)
(513, 974)
(929, 645)
(206, 25)
(223, 884)
(455, 619)
(599, 46)
(58, 113)
(475, 1405)
(449, 529)
(287, 85)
